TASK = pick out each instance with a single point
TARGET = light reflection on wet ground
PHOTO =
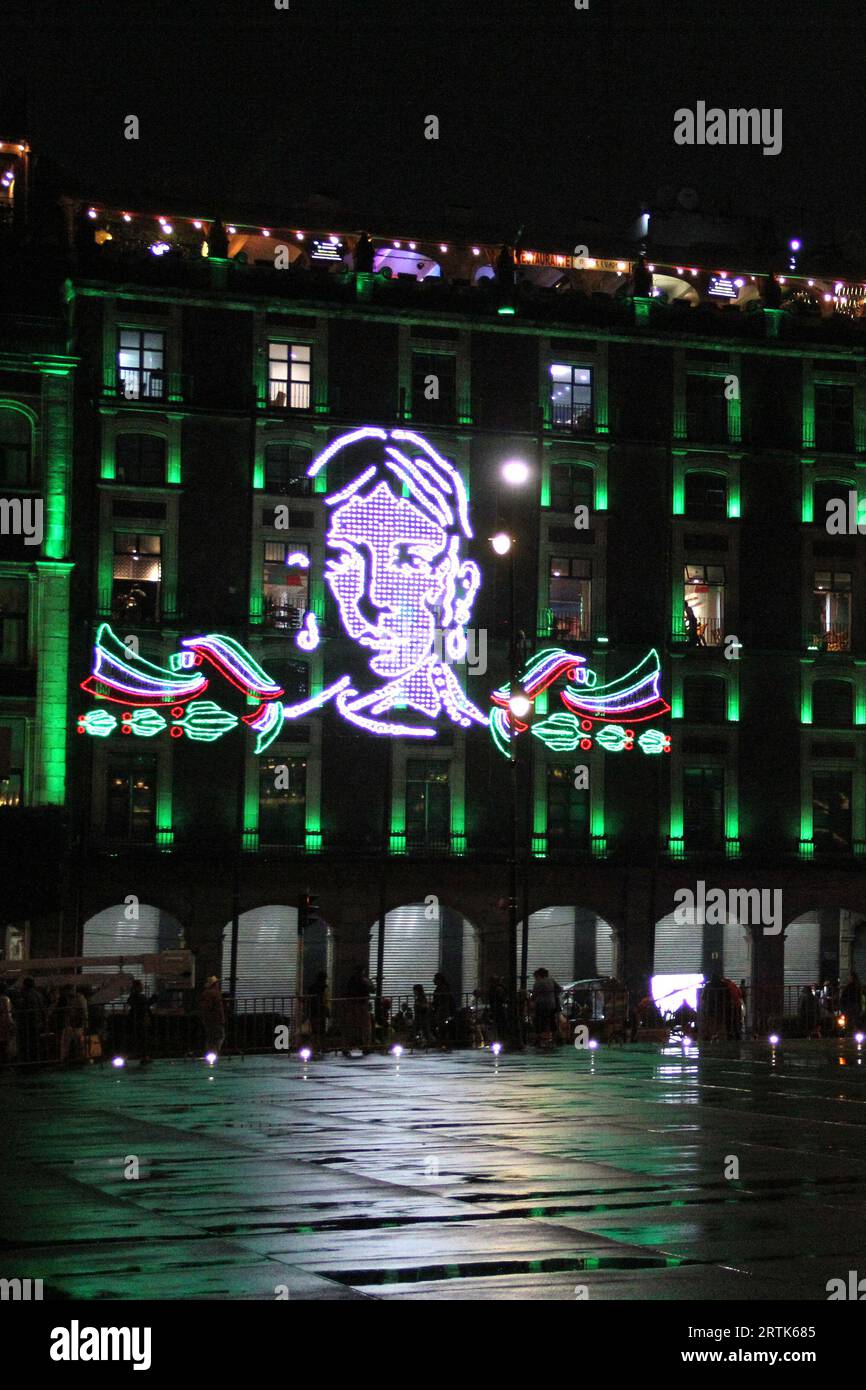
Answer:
(444, 1177)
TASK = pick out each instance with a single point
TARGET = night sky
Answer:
(546, 114)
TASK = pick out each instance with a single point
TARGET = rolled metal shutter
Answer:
(469, 981)
(267, 962)
(802, 953)
(603, 947)
(551, 943)
(736, 953)
(678, 947)
(412, 950)
(110, 933)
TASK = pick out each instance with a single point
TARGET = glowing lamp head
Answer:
(841, 1021)
(515, 472)
(501, 543)
(305, 1054)
(210, 1058)
(118, 1062)
(773, 1039)
(859, 1037)
(794, 244)
(397, 1051)
(592, 1044)
(496, 1048)
(519, 706)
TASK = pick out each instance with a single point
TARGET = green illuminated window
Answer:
(131, 797)
(286, 470)
(16, 448)
(140, 459)
(571, 485)
(13, 621)
(282, 801)
(834, 417)
(434, 387)
(831, 811)
(831, 610)
(136, 577)
(290, 370)
(706, 496)
(567, 809)
(428, 803)
(703, 807)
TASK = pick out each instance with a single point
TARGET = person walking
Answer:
(138, 1006)
(213, 1015)
(7, 1027)
(30, 1020)
(421, 1012)
(73, 1030)
(359, 987)
(544, 1007)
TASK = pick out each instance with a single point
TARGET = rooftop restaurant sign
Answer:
(397, 528)
(559, 259)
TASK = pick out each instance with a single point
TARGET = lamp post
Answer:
(515, 473)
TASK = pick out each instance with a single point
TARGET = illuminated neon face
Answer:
(398, 577)
(396, 574)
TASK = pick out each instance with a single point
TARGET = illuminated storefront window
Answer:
(705, 604)
(286, 585)
(141, 364)
(289, 375)
(570, 397)
(137, 577)
(831, 610)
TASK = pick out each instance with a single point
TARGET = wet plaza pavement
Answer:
(581, 1174)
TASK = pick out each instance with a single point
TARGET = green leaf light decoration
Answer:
(146, 723)
(613, 737)
(205, 722)
(653, 741)
(98, 722)
(561, 732)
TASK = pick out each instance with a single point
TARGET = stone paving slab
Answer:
(448, 1176)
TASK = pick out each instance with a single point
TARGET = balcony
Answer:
(142, 384)
(571, 419)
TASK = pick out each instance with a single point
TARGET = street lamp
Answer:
(501, 542)
(515, 472)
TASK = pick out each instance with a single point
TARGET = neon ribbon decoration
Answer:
(634, 697)
(123, 676)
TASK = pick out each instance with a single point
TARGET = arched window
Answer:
(833, 704)
(140, 459)
(16, 447)
(571, 485)
(829, 490)
(706, 496)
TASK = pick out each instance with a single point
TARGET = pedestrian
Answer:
(505, 269)
(138, 1005)
(359, 987)
(443, 1010)
(543, 1004)
(364, 254)
(421, 1011)
(30, 1020)
(213, 1015)
(809, 1013)
(320, 1008)
(73, 1030)
(850, 1000)
(7, 1027)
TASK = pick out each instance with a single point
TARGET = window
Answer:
(570, 597)
(286, 470)
(831, 610)
(282, 800)
(571, 397)
(833, 704)
(137, 577)
(286, 584)
(434, 387)
(571, 485)
(831, 810)
(706, 496)
(11, 763)
(704, 613)
(141, 364)
(706, 409)
(140, 459)
(130, 803)
(16, 445)
(567, 809)
(428, 802)
(13, 621)
(289, 375)
(703, 807)
(704, 699)
(834, 417)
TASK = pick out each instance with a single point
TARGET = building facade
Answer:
(296, 467)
